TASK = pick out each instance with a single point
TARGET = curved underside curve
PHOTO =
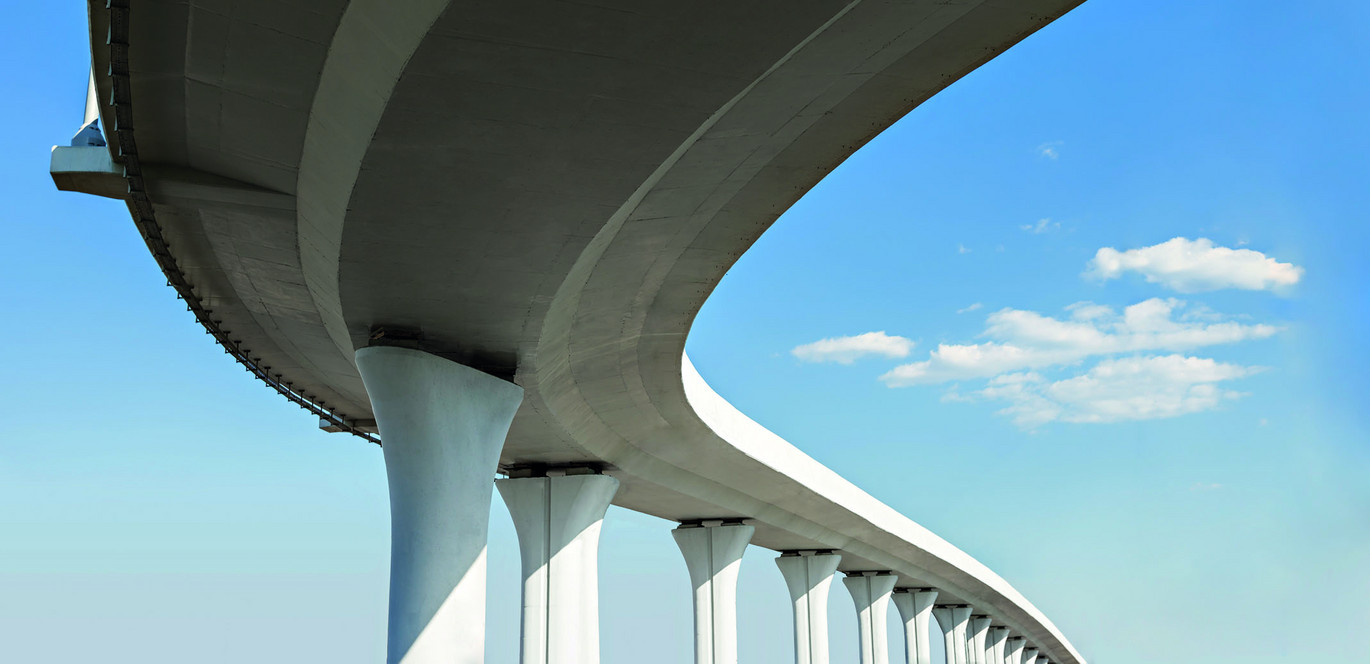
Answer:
(373, 42)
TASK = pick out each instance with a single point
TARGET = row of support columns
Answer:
(443, 426)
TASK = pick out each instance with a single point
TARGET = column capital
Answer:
(870, 592)
(915, 608)
(443, 426)
(808, 575)
(558, 519)
(713, 551)
(953, 619)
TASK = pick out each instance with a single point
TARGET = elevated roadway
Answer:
(543, 191)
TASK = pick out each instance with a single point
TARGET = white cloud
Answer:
(1050, 149)
(845, 350)
(961, 249)
(1025, 340)
(1042, 226)
(1191, 266)
(1115, 390)
(973, 307)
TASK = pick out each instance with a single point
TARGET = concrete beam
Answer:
(87, 170)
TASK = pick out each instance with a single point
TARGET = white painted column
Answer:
(998, 639)
(443, 426)
(558, 519)
(978, 632)
(870, 591)
(808, 575)
(1030, 656)
(1013, 650)
(952, 619)
(915, 608)
(713, 554)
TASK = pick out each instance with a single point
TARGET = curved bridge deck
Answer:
(545, 191)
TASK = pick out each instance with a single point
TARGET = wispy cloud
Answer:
(1042, 226)
(1205, 486)
(1191, 266)
(1116, 390)
(1026, 340)
(1050, 149)
(962, 249)
(845, 350)
(973, 307)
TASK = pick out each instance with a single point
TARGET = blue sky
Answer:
(166, 508)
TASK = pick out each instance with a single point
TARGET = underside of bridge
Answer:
(545, 191)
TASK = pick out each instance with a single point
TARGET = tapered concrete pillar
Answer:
(808, 575)
(976, 639)
(1030, 656)
(998, 639)
(915, 608)
(443, 425)
(558, 520)
(713, 554)
(870, 591)
(1013, 650)
(952, 620)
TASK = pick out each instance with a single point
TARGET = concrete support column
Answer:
(976, 639)
(915, 608)
(870, 591)
(952, 619)
(713, 553)
(558, 519)
(1030, 656)
(808, 574)
(1013, 650)
(998, 639)
(443, 426)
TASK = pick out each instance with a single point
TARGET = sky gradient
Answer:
(165, 507)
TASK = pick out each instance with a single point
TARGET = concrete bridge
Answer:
(478, 232)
